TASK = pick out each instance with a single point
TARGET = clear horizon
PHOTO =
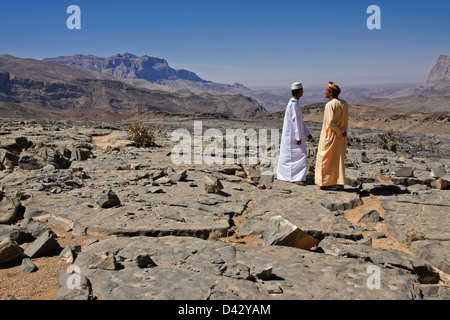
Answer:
(256, 43)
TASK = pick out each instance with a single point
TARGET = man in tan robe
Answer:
(330, 163)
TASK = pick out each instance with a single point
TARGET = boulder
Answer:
(403, 171)
(212, 184)
(45, 245)
(11, 210)
(108, 199)
(35, 160)
(438, 171)
(104, 260)
(28, 265)
(281, 232)
(16, 233)
(73, 286)
(180, 176)
(144, 261)
(10, 251)
(369, 217)
(440, 184)
(8, 159)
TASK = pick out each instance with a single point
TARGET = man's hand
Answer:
(344, 134)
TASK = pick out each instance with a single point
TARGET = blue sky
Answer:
(257, 43)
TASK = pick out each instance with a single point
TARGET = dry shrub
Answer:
(387, 141)
(141, 134)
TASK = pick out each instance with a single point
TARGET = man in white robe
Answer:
(292, 162)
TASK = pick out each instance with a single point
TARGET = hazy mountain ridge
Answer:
(157, 71)
(432, 96)
(29, 86)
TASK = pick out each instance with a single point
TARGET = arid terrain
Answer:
(119, 182)
(85, 204)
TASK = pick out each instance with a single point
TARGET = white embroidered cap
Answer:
(297, 85)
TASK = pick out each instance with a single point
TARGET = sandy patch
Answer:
(43, 283)
(372, 203)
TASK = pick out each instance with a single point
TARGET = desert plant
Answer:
(141, 134)
(387, 141)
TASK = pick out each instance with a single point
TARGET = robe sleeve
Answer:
(306, 132)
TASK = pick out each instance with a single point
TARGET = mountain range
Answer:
(86, 86)
(34, 88)
(430, 97)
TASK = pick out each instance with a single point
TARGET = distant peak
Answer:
(441, 70)
(127, 55)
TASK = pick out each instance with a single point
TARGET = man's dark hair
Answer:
(296, 92)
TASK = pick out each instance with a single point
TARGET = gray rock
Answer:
(73, 286)
(369, 217)
(144, 261)
(104, 261)
(266, 180)
(11, 210)
(438, 171)
(10, 251)
(18, 234)
(8, 159)
(28, 265)
(67, 255)
(33, 227)
(403, 171)
(262, 273)
(436, 252)
(181, 176)
(281, 232)
(45, 245)
(108, 199)
(212, 184)
(440, 184)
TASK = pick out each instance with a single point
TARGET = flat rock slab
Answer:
(131, 219)
(191, 268)
(421, 220)
(312, 210)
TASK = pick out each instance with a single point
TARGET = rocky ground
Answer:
(85, 214)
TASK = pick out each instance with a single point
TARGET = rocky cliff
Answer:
(440, 71)
(128, 65)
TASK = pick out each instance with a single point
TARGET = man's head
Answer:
(297, 89)
(332, 91)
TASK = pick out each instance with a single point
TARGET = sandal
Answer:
(334, 188)
(300, 183)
